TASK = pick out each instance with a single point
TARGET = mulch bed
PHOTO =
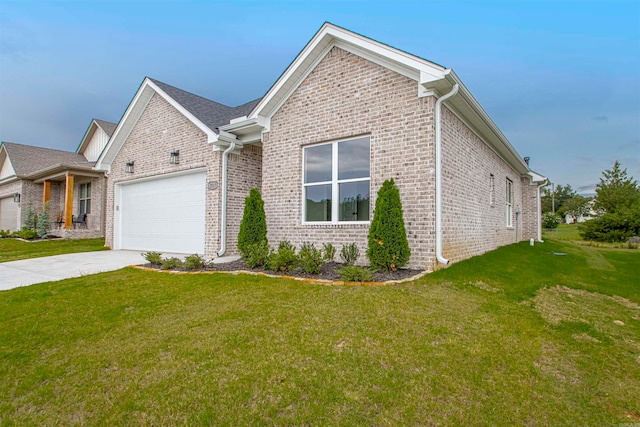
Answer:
(327, 272)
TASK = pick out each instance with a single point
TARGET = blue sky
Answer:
(560, 78)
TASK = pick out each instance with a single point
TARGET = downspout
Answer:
(538, 208)
(223, 219)
(439, 257)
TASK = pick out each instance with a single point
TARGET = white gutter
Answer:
(223, 219)
(439, 102)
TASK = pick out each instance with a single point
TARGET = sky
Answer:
(561, 79)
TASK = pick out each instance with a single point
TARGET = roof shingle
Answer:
(27, 159)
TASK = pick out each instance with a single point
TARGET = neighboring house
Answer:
(31, 176)
(347, 114)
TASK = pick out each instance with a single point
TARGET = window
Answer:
(85, 198)
(492, 190)
(337, 171)
(509, 203)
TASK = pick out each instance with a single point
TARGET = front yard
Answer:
(518, 336)
(14, 249)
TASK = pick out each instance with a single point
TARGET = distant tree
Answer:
(562, 194)
(618, 197)
(577, 206)
(616, 191)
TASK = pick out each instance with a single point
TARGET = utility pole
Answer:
(553, 198)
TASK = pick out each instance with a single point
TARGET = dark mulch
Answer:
(328, 271)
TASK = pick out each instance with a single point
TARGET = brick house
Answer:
(347, 114)
(31, 176)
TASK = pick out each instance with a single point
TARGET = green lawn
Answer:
(518, 336)
(14, 249)
(563, 232)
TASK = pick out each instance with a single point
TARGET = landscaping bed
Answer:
(328, 271)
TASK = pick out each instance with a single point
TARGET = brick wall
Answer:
(471, 224)
(346, 96)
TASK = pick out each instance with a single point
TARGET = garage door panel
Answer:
(166, 214)
(9, 214)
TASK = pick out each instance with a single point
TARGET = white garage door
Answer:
(8, 214)
(165, 214)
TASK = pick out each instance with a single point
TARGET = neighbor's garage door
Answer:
(165, 214)
(8, 214)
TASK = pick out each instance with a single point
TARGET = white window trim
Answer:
(509, 204)
(335, 185)
(80, 198)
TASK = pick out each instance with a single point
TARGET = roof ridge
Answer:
(190, 93)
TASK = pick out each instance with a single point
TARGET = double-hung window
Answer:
(85, 198)
(336, 181)
(509, 197)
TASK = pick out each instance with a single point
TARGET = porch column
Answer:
(68, 201)
(46, 194)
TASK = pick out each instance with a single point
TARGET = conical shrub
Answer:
(253, 227)
(388, 245)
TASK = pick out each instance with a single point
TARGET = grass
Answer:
(14, 249)
(563, 232)
(518, 336)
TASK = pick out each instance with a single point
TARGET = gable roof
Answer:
(204, 113)
(431, 79)
(106, 126)
(28, 160)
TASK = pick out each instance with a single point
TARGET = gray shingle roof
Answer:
(211, 113)
(108, 127)
(27, 159)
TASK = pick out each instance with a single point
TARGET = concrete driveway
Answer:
(37, 270)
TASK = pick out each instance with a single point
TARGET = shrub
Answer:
(169, 263)
(355, 273)
(388, 247)
(194, 262)
(43, 221)
(284, 259)
(153, 257)
(611, 227)
(550, 220)
(253, 227)
(257, 254)
(350, 253)
(328, 252)
(5, 233)
(31, 219)
(27, 234)
(310, 259)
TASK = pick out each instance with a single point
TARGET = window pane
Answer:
(88, 206)
(317, 163)
(353, 158)
(318, 202)
(354, 201)
(88, 190)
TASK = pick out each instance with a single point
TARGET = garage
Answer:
(9, 214)
(164, 214)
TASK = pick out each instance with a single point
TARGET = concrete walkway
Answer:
(37, 270)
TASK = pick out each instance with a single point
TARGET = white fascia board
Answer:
(326, 38)
(536, 178)
(87, 136)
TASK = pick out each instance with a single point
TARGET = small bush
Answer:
(328, 252)
(310, 259)
(194, 262)
(550, 220)
(355, 273)
(5, 233)
(43, 221)
(253, 226)
(350, 254)
(153, 257)
(256, 254)
(284, 259)
(27, 234)
(169, 263)
(388, 246)
(31, 218)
